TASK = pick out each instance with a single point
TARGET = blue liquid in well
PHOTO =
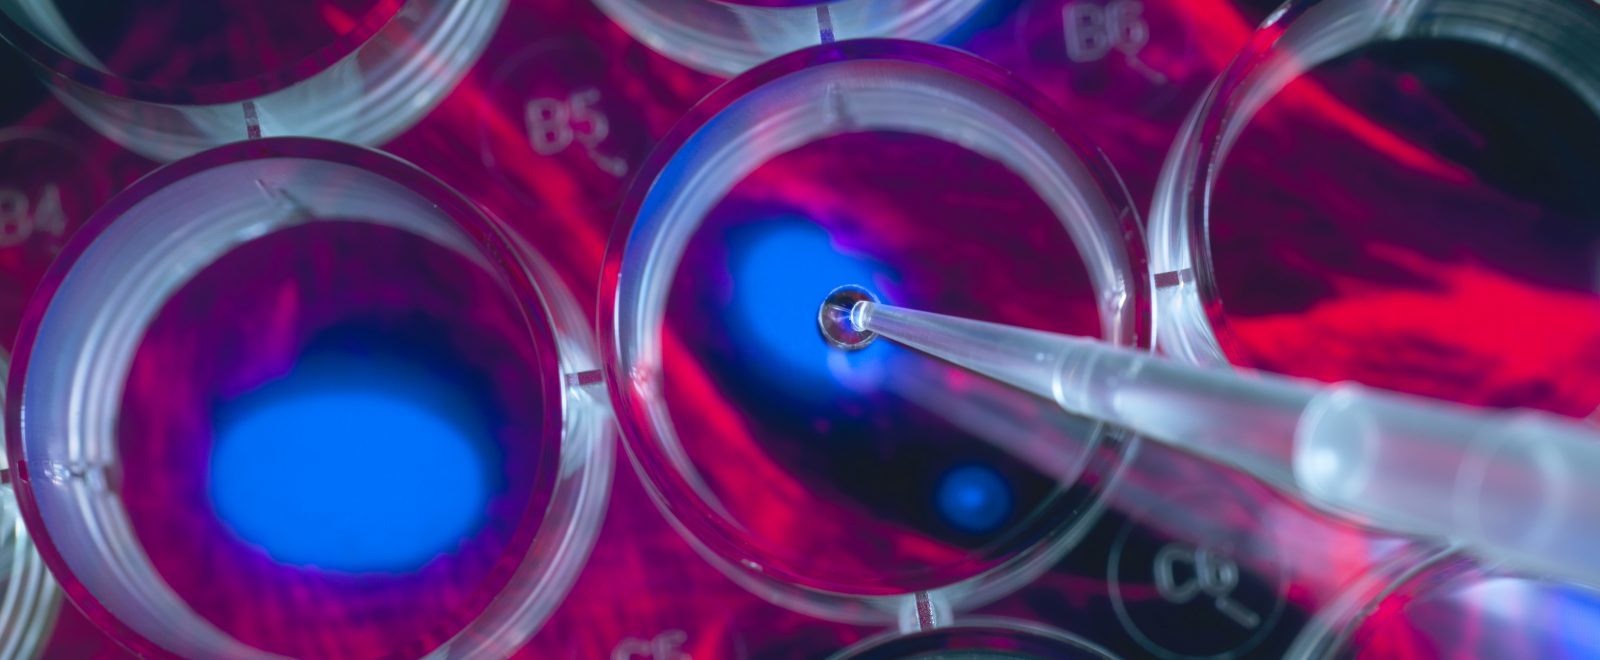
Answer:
(355, 465)
(974, 498)
(781, 274)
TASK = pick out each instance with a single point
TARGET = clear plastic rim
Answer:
(1558, 35)
(726, 37)
(366, 88)
(1439, 571)
(72, 66)
(120, 269)
(975, 636)
(1329, 632)
(1561, 36)
(1120, 603)
(30, 599)
(894, 85)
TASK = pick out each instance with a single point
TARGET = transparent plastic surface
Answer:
(1400, 194)
(725, 37)
(167, 78)
(978, 637)
(1463, 609)
(1390, 192)
(296, 398)
(1503, 485)
(842, 485)
(29, 597)
(48, 188)
(569, 113)
(1193, 560)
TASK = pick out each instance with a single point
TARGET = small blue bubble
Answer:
(974, 498)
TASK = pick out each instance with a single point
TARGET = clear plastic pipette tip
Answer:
(839, 318)
(1509, 485)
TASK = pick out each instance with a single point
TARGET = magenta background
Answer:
(643, 589)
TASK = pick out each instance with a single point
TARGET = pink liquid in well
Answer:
(1419, 217)
(865, 466)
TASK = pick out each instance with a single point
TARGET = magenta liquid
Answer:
(1418, 216)
(882, 469)
(330, 442)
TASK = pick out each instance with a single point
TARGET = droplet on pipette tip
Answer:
(834, 318)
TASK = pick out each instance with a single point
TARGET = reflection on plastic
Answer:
(726, 38)
(360, 71)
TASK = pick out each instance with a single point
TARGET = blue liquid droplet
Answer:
(974, 498)
(355, 466)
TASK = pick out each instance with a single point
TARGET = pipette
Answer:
(1522, 487)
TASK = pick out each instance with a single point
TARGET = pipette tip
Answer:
(837, 319)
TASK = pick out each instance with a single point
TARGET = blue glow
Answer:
(974, 498)
(1574, 621)
(990, 14)
(352, 465)
(780, 277)
(1529, 618)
